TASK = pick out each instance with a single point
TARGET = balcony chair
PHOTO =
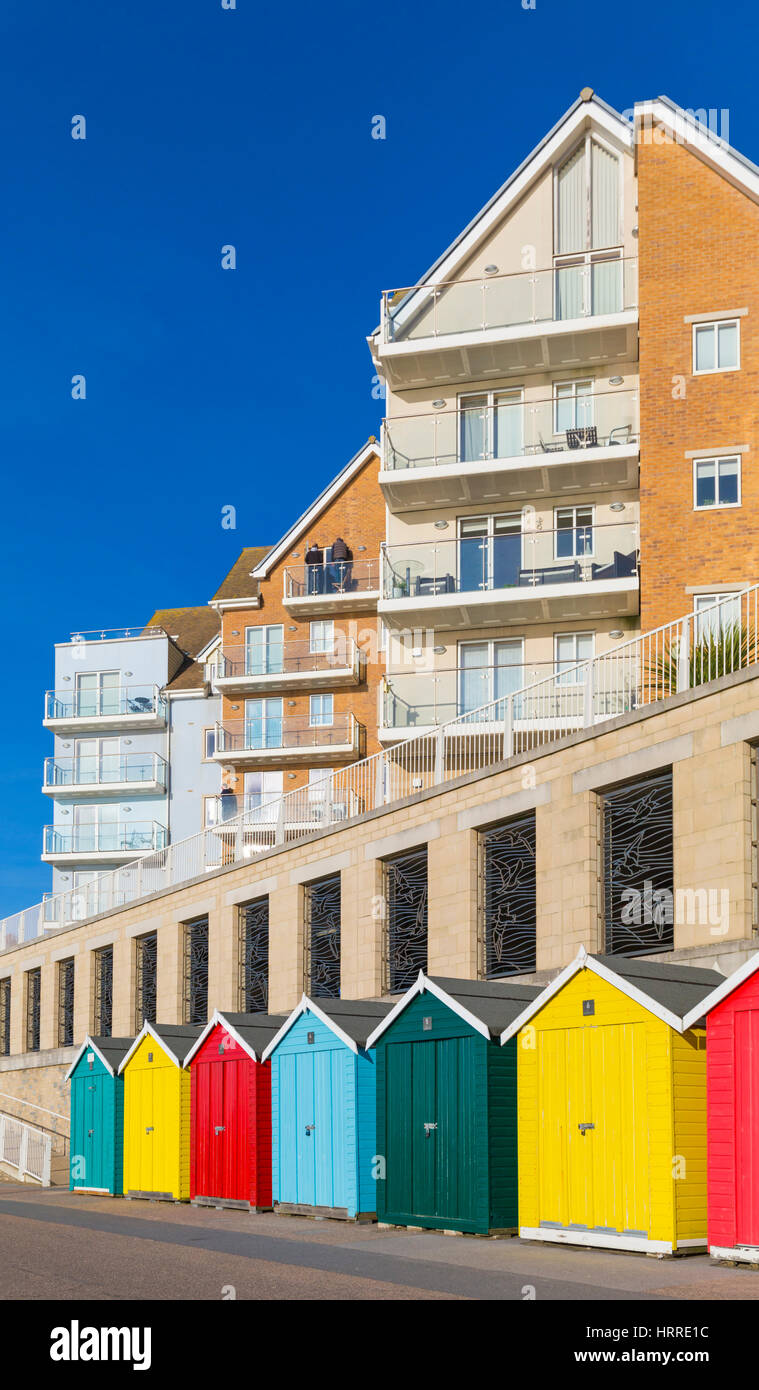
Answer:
(621, 567)
(582, 437)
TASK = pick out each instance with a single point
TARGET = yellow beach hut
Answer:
(157, 1113)
(612, 1106)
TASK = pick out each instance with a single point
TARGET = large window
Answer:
(65, 1028)
(146, 978)
(264, 650)
(716, 346)
(254, 956)
(716, 483)
(104, 991)
(574, 532)
(488, 671)
(588, 222)
(715, 614)
(5, 1016)
(570, 649)
(406, 906)
(322, 636)
(507, 898)
(263, 723)
(320, 710)
(638, 868)
(572, 405)
(491, 425)
(322, 903)
(33, 994)
(490, 552)
(196, 971)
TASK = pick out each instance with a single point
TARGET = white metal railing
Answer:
(26, 1149)
(107, 703)
(574, 287)
(116, 634)
(104, 770)
(297, 658)
(500, 425)
(671, 659)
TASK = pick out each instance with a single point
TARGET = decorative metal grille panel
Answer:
(65, 1003)
(254, 956)
(196, 971)
(33, 987)
(5, 1018)
(147, 978)
(104, 991)
(323, 935)
(406, 898)
(507, 866)
(638, 867)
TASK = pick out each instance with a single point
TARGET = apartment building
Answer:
(126, 774)
(299, 661)
(511, 440)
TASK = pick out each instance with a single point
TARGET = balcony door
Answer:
(264, 650)
(97, 693)
(488, 671)
(96, 828)
(263, 790)
(490, 552)
(491, 426)
(96, 760)
(263, 723)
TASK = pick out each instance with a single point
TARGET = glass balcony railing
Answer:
(107, 702)
(284, 735)
(118, 837)
(333, 579)
(106, 769)
(578, 552)
(424, 699)
(575, 287)
(287, 658)
(503, 426)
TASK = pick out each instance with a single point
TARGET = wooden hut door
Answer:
(94, 1133)
(747, 1127)
(144, 1138)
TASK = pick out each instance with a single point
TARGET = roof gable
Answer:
(174, 1038)
(250, 1031)
(109, 1050)
(487, 1006)
(723, 990)
(685, 129)
(351, 1020)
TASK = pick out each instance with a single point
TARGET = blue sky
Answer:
(250, 387)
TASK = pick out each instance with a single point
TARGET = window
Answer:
(322, 904)
(713, 620)
(65, 1028)
(33, 991)
(264, 650)
(574, 532)
(5, 1017)
(716, 483)
(490, 552)
(638, 867)
(322, 636)
(320, 710)
(209, 743)
(588, 208)
(572, 405)
(146, 979)
(716, 346)
(488, 671)
(104, 991)
(254, 956)
(406, 901)
(98, 693)
(196, 971)
(569, 649)
(263, 723)
(507, 898)
(491, 425)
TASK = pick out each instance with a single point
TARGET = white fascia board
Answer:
(397, 1009)
(307, 1005)
(222, 605)
(366, 452)
(211, 1024)
(210, 647)
(686, 130)
(147, 1030)
(423, 984)
(585, 962)
(292, 1017)
(88, 1046)
(219, 1018)
(720, 992)
(540, 158)
(537, 1004)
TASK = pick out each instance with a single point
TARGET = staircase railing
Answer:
(26, 1149)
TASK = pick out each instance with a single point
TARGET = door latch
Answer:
(582, 1128)
(90, 1133)
(309, 1128)
(428, 1128)
(219, 1129)
(149, 1129)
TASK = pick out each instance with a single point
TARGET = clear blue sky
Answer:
(206, 388)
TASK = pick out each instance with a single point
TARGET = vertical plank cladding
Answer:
(503, 1186)
(366, 1149)
(730, 1064)
(690, 1166)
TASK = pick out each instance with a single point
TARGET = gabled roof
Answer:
(109, 1050)
(368, 450)
(238, 583)
(351, 1020)
(251, 1031)
(710, 147)
(586, 107)
(191, 629)
(723, 989)
(176, 1039)
(667, 991)
(488, 1006)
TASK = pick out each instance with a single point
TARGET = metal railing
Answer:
(104, 770)
(107, 703)
(288, 658)
(26, 1149)
(671, 659)
(425, 699)
(503, 426)
(116, 634)
(574, 287)
(120, 837)
(579, 552)
(282, 735)
(333, 579)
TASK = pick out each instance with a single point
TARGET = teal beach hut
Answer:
(323, 1102)
(97, 1116)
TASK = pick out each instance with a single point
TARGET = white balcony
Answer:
(417, 702)
(289, 666)
(106, 843)
(105, 774)
(581, 571)
(497, 446)
(121, 707)
(278, 741)
(577, 313)
(335, 586)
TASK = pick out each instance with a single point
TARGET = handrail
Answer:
(25, 1148)
(43, 1109)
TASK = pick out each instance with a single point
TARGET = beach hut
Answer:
(732, 1091)
(447, 1105)
(324, 1109)
(612, 1106)
(97, 1116)
(157, 1113)
(230, 1113)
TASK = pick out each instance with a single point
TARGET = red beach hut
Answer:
(230, 1124)
(732, 1091)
